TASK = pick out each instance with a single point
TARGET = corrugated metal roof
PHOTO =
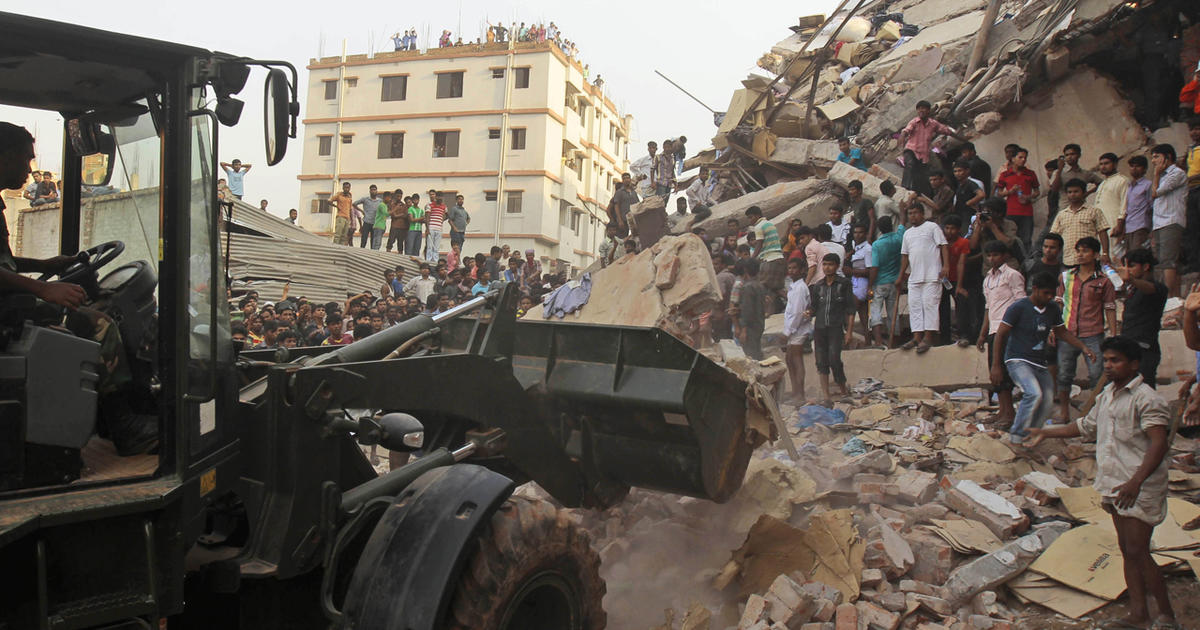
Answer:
(316, 268)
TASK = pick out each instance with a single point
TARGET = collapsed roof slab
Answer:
(1085, 109)
(925, 13)
(772, 200)
(950, 33)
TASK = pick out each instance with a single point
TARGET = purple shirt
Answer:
(1138, 205)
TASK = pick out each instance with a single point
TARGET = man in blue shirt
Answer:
(235, 172)
(1021, 349)
(853, 157)
(882, 270)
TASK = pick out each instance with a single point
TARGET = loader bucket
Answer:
(635, 406)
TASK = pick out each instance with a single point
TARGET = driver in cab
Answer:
(130, 432)
(16, 153)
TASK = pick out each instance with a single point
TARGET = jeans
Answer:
(1037, 398)
(376, 238)
(827, 351)
(364, 235)
(412, 244)
(432, 244)
(1068, 356)
(916, 174)
(662, 190)
(457, 238)
(1148, 366)
(396, 237)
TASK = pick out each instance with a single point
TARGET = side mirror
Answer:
(97, 147)
(401, 432)
(278, 112)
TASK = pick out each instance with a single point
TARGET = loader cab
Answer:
(139, 153)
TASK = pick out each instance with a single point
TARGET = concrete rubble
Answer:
(946, 527)
(1042, 73)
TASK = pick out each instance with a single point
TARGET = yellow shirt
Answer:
(1193, 162)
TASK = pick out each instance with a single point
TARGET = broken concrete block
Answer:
(698, 617)
(772, 200)
(916, 487)
(873, 488)
(649, 219)
(934, 558)
(872, 461)
(625, 292)
(1058, 63)
(987, 122)
(823, 611)
(756, 610)
(789, 605)
(915, 586)
(1040, 487)
(668, 269)
(846, 617)
(987, 572)
(935, 605)
(994, 511)
(871, 577)
(821, 590)
(875, 616)
(811, 211)
(818, 625)
(842, 174)
(804, 152)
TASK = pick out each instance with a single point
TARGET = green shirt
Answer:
(381, 218)
(771, 249)
(415, 213)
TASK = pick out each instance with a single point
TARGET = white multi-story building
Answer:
(536, 150)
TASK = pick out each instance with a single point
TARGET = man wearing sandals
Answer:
(924, 252)
(1129, 424)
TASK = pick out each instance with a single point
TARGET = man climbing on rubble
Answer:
(1129, 424)
(917, 139)
(797, 327)
(1020, 349)
(924, 251)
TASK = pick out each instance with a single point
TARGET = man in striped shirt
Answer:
(770, 253)
(435, 217)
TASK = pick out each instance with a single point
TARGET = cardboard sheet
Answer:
(829, 551)
(1064, 600)
(967, 536)
(982, 447)
(1088, 558)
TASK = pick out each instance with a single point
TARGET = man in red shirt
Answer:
(435, 216)
(959, 248)
(917, 139)
(1019, 186)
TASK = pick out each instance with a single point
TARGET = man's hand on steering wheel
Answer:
(58, 264)
(62, 294)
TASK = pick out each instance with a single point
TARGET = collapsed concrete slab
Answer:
(842, 174)
(804, 152)
(894, 117)
(811, 211)
(1085, 108)
(667, 286)
(649, 218)
(773, 200)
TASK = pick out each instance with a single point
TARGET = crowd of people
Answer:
(437, 287)
(962, 248)
(496, 33)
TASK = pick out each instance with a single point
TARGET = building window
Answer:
(513, 199)
(331, 90)
(494, 133)
(351, 82)
(324, 145)
(518, 139)
(522, 77)
(497, 73)
(445, 144)
(612, 131)
(450, 85)
(489, 195)
(320, 205)
(575, 222)
(347, 138)
(394, 89)
(391, 145)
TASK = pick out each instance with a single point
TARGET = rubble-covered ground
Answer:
(905, 509)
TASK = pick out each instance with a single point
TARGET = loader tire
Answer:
(534, 569)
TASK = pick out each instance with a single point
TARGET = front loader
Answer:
(256, 506)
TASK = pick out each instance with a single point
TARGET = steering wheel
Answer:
(84, 272)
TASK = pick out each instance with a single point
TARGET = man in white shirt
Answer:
(797, 327)
(859, 271)
(925, 254)
(700, 195)
(840, 229)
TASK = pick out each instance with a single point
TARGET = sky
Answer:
(705, 46)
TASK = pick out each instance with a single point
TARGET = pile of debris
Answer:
(902, 507)
(1041, 73)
